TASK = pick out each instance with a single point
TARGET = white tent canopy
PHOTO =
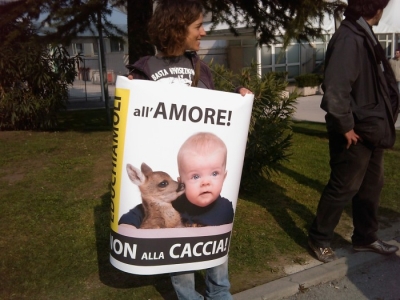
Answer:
(390, 21)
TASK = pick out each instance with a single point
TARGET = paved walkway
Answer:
(379, 280)
(308, 110)
(343, 278)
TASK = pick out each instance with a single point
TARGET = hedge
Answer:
(308, 80)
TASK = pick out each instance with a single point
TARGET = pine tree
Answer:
(60, 21)
(292, 19)
(271, 19)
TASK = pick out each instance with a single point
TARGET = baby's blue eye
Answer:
(196, 177)
(215, 173)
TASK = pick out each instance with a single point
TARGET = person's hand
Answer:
(130, 76)
(243, 91)
(352, 138)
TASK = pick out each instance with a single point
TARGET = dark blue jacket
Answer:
(356, 93)
(219, 212)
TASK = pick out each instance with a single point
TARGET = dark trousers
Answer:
(357, 177)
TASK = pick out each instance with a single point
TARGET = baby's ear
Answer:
(179, 179)
(226, 173)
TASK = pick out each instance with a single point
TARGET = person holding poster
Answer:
(176, 60)
(176, 29)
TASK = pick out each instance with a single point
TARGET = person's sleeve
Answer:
(230, 213)
(392, 64)
(204, 68)
(135, 73)
(133, 217)
(341, 72)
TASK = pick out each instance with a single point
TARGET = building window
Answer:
(249, 56)
(266, 56)
(397, 41)
(77, 48)
(280, 56)
(274, 58)
(277, 59)
(293, 71)
(95, 48)
(116, 45)
(280, 69)
(319, 46)
(293, 54)
(319, 52)
(293, 60)
(386, 42)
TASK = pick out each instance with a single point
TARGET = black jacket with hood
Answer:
(357, 93)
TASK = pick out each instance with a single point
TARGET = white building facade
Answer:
(297, 58)
(235, 52)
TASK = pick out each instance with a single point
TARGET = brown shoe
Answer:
(323, 254)
(378, 247)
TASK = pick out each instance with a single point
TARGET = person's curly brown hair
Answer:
(168, 26)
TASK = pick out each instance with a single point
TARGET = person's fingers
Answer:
(244, 91)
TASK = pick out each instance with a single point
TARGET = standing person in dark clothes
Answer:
(395, 64)
(361, 101)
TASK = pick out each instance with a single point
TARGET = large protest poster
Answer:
(158, 223)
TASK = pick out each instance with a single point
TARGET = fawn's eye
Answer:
(163, 184)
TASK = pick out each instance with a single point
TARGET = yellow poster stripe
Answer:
(120, 114)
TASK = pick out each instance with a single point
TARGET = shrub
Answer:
(270, 130)
(308, 80)
(34, 80)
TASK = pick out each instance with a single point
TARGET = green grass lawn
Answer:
(54, 191)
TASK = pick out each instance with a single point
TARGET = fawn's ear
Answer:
(146, 170)
(135, 175)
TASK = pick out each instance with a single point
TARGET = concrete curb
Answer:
(291, 284)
